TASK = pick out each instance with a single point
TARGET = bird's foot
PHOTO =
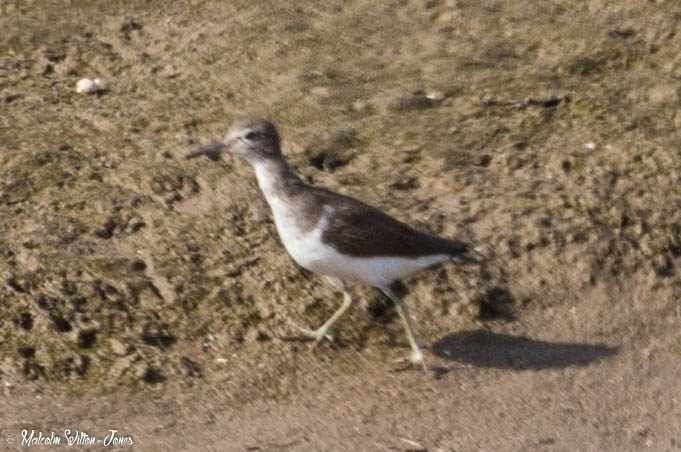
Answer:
(415, 360)
(311, 335)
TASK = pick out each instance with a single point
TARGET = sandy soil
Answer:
(149, 294)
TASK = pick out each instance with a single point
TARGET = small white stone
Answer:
(590, 145)
(87, 86)
(435, 95)
(220, 361)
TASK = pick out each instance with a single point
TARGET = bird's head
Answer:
(254, 139)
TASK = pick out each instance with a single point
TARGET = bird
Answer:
(336, 236)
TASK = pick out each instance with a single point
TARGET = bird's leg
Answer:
(401, 308)
(416, 353)
(322, 331)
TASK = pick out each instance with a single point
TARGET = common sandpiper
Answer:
(333, 235)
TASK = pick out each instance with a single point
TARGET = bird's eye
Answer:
(250, 135)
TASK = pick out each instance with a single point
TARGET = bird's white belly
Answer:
(377, 271)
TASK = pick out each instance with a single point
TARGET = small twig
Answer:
(239, 267)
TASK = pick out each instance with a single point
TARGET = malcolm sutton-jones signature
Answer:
(68, 437)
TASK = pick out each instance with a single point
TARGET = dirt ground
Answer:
(149, 294)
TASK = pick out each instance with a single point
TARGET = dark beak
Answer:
(212, 152)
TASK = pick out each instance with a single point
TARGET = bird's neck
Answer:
(274, 176)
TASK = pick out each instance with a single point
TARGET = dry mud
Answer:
(150, 294)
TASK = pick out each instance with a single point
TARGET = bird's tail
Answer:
(468, 255)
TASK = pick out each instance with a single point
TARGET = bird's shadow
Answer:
(487, 349)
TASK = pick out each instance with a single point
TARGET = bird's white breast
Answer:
(302, 246)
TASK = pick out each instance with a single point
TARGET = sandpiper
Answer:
(336, 236)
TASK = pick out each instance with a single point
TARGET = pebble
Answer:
(87, 86)
(435, 95)
(590, 145)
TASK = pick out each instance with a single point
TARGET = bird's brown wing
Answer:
(360, 230)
